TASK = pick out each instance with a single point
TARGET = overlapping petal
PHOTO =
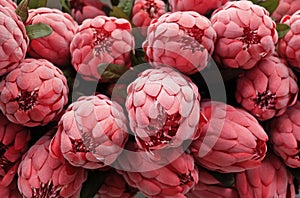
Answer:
(245, 34)
(34, 93)
(231, 140)
(56, 46)
(92, 132)
(182, 40)
(9, 4)
(163, 108)
(267, 89)
(101, 40)
(285, 7)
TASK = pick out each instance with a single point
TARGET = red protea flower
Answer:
(86, 9)
(209, 186)
(231, 140)
(267, 89)
(285, 136)
(163, 108)
(34, 93)
(43, 175)
(173, 178)
(115, 186)
(92, 132)
(245, 34)
(200, 6)
(285, 7)
(271, 179)
(13, 40)
(144, 11)
(56, 46)
(9, 4)
(14, 140)
(10, 191)
(288, 47)
(182, 40)
(101, 40)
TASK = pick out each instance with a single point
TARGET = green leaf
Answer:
(269, 5)
(126, 6)
(118, 12)
(227, 179)
(65, 6)
(107, 3)
(92, 184)
(38, 30)
(37, 3)
(282, 29)
(111, 72)
(22, 10)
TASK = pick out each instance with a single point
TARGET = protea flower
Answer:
(13, 39)
(43, 175)
(200, 6)
(288, 47)
(144, 11)
(285, 7)
(34, 93)
(172, 179)
(231, 140)
(182, 40)
(267, 89)
(9, 4)
(163, 108)
(56, 46)
(209, 186)
(14, 140)
(101, 40)
(115, 186)
(245, 34)
(271, 179)
(92, 132)
(285, 136)
(86, 9)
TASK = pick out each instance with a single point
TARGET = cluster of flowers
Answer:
(166, 137)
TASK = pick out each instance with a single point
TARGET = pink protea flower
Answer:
(34, 93)
(232, 140)
(288, 47)
(173, 179)
(267, 89)
(101, 40)
(285, 7)
(208, 186)
(14, 140)
(10, 191)
(92, 132)
(200, 6)
(43, 175)
(245, 34)
(271, 179)
(9, 4)
(115, 186)
(13, 40)
(163, 108)
(56, 46)
(182, 40)
(285, 136)
(144, 11)
(86, 9)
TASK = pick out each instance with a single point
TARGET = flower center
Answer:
(102, 42)
(47, 190)
(89, 142)
(27, 100)
(78, 146)
(185, 178)
(192, 39)
(5, 164)
(151, 8)
(249, 37)
(265, 100)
